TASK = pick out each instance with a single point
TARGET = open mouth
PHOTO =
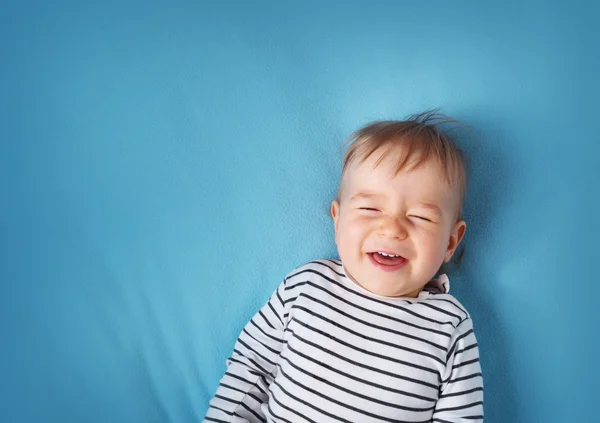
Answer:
(387, 261)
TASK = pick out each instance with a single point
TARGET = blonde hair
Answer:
(419, 138)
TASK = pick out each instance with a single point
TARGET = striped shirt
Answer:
(323, 350)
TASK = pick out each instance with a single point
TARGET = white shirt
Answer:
(323, 350)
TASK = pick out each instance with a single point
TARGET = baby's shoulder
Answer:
(315, 278)
(315, 271)
(448, 306)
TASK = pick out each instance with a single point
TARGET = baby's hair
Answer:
(420, 137)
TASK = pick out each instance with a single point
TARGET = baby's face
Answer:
(394, 232)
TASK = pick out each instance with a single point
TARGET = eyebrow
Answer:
(431, 207)
(365, 195)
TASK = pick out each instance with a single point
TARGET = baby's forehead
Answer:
(357, 175)
(395, 162)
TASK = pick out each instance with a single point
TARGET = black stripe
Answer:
(274, 338)
(466, 363)
(464, 335)
(257, 399)
(259, 375)
(290, 300)
(254, 384)
(330, 268)
(226, 399)
(459, 407)
(364, 366)
(295, 412)
(455, 304)
(349, 376)
(258, 416)
(211, 419)
(230, 413)
(348, 391)
(460, 379)
(375, 300)
(456, 394)
(273, 350)
(336, 262)
(480, 417)
(372, 325)
(235, 360)
(441, 310)
(240, 378)
(279, 297)
(475, 345)
(278, 417)
(246, 394)
(275, 312)
(378, 341)
(241, 341)
(233, 388)
(265, 319)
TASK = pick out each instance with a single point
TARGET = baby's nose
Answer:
(394, 227)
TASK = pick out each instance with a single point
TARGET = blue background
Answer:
(162, 167)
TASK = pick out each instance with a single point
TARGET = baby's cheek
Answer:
(437, 247)
(344, 240)
(347, 239)
(352, 234)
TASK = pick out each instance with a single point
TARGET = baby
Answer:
(373, 336)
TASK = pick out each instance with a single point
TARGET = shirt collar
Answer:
(439, 285)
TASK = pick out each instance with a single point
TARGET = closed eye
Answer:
(422, 218)
(368, 209)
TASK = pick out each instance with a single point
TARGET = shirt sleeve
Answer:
(253, 365)
(461, 393)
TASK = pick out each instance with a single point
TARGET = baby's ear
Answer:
(335, 212)
(456, 236)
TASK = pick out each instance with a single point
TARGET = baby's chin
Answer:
(389, 289)
(395, 293)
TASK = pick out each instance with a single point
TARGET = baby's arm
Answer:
(250, 369)
(461, 395)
